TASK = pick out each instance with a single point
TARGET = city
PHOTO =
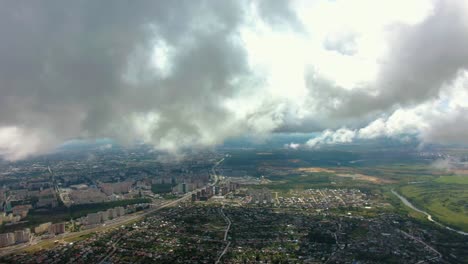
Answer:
(174, 212)
(234, 131)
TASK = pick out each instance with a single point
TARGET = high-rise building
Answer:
(224, 190)
(22, 236)
(116, 187)
(21, 210)
(7, 239)
(7, 207)
(42, 228)
(94, 218)
(111, 214)
(120, 211)
(58, 228)
(104, 215)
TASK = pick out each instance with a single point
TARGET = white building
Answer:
(7, 239)
(94, 218)
(22, 236)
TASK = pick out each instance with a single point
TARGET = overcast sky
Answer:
(191, 74)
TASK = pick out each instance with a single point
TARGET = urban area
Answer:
(126, 206)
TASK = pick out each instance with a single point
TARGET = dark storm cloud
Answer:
(88, 69)
(62, 65)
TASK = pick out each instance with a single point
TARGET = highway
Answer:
(215, 182)
(228, 221)
(36, 243)
(439, 255)
(115, 223)
(54, 183)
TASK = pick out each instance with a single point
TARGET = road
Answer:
(216, 177)
(114, 248)
(228, 221)
(422, 242)
(429, 217)
(337, 243)
(118, 222)
(54, 183)
(115, 223)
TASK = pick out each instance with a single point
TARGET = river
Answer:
(429, 217)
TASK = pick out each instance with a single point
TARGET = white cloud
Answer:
(16, 143)
(292, 145)
(328, 137)
(442, 120)
(351, 68)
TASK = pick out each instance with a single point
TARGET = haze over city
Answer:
(234, 131)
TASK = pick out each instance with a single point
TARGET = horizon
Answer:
(234, 131)
(195, 75)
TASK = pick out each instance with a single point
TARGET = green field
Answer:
(434, 190)
(84, 209)
(161, 188)
(454, 179)
(447, 203)
(298, 181)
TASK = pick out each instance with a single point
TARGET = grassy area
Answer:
(78, 238)
(73, 237)
(161, 188)
(169, 196)
(402, 209)
(453, 179)
(445, 202)
(295, 181)
(443, 196)
(84, 209)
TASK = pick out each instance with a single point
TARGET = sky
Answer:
(191, 74)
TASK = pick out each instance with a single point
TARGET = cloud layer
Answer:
(194, 73)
